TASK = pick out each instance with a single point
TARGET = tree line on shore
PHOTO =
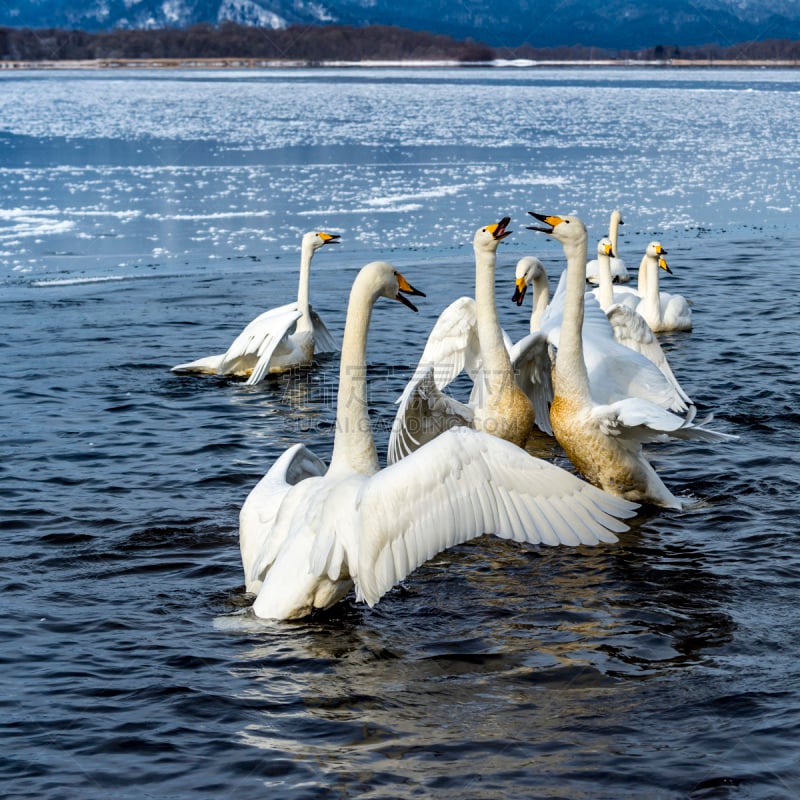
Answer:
(311, 44)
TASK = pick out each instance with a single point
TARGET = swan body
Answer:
(662, 311)
(604, 440)
(630, 328)
(280, 339)
(467, 336)
(308, 533)
(619, 272)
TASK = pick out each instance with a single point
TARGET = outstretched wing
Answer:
(424, 413)
(259, 538)
(323, 339)
(631, 330)
(462, 485)
(532, 365)
(259, 337)
(424, 410)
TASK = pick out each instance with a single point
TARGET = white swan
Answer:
(467, 336)
(629, 327)
(662, 311)
(604, 440)
(279, 339)
(308, 534)
(619, 272)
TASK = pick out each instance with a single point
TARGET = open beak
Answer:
(498, 230)
(329, 238)
(551, 222)
(404, 286)
(519, 291)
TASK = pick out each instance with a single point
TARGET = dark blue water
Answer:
(662, 667)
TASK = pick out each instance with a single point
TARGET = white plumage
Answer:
(308, 534)
(279, 339)
(604, 439)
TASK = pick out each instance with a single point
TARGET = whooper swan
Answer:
(629, 327)
(279, 339)
(619, 272)
(604, 440)
(662, 311)
(467, 336)
(308, 534)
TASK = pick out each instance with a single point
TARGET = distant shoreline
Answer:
(268, 63)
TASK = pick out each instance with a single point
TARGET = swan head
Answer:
(568, 230)
(488, 237)
(529, 269)
(604, 247)
(313, 240)
(385, 281)
(616, 216)
(655, 250)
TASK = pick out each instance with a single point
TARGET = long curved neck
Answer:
(613, 232)
(606, 293)
(641, 285)
(353, 444)
(306, 254)
(571, 377)
(541, 298)
(651, 291)
(496, 361)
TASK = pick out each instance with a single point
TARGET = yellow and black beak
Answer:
(499, 229)
(662, 262)
(404, 286)
(519, 291)
(608, 249)
(329, 238)
(550, 221)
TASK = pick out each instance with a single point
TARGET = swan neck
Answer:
(641, 285)
(354, 444)
(606, 293)
(613, 233)
(541, 299)
(571, 377)
(651, 291)
(306, 254)
(496, 361)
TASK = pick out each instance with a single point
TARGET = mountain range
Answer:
(615, 24)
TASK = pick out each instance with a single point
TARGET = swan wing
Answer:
(452, 344)
(268, 339)
(260, 538)
(462, 485)
(530, 360)
(631, 331)
(261, 334)
(424, 413)
(323, 339)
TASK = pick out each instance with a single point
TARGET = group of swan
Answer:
(590, 373)
(604, 439)
(309, 533)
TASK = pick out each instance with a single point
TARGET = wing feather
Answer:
(469, 484)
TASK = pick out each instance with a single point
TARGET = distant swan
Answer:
(630, 328)
(467, 336)
(619, 272)
(604, 440)
(279, 339)
(663, 311)
(309, 534)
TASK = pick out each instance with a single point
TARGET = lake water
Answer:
(146, 216)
